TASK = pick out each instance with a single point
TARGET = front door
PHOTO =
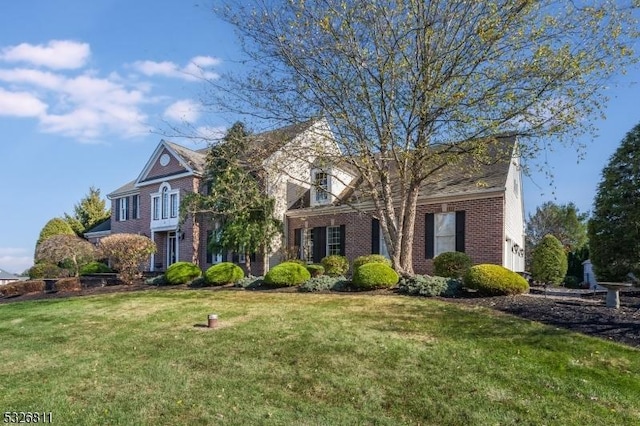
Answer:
(172, 248)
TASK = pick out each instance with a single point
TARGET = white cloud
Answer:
(20, 104)
(196, 69)
(15, 260)
(184, 110)
(57, 54)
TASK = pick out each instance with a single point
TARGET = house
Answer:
(7, 277)
(480, 213)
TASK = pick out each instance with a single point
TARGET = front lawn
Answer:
(285, 358)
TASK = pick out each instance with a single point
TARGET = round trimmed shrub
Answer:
(494, 280)
(95, 268)
(335, 265)
(549, 264)
(287, 274)
(374, 275)
(315, 270)
(224, 273)
(182, 272)
(45, 270)
(370, 258)
(451, 264)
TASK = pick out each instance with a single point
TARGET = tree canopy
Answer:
(235, 200)
(563, 221)
(64, 248)
(90, 211)
(549, 264)
(56, 226)
(406, 86)
(614, 228)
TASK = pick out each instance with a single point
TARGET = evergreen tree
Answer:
(614, 229)
(549, 264)
(56, 226)
(90, 211)
(240, 210)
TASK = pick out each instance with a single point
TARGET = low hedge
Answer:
(325, 283)
(451, 264)
(45, 270)
(494, 280)
(224, 273)
(19, 288)
(287, 274)
(370, 258)
(182, 273)
(68, 284)
(425, 285)
(374, 275)
(335, 265)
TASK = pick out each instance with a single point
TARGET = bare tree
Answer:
(411, 87)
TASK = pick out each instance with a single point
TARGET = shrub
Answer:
(159, 280)
(71, 250)
(68, 284)
(45, 270)
(374, 275)
(250, 282)
(56, 226)
(325, 283)
(452, 264)
(571, 281)
(224, 273)
(9, 290)
(335, 265)
(370, 258)
(19, 288)
(494, 280)
(549, 264)
(425, 285)
(95, 267)
(182, 272)
(127, 253)
(315, 270)
(287, 274)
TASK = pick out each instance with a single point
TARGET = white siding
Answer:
(514, 219)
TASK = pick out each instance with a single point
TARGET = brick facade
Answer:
(483, 230)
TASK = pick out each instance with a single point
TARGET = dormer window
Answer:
(321, 186)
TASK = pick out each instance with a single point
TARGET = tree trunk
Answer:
(408, 228)
(247, 262)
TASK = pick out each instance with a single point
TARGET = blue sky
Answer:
(88, 88)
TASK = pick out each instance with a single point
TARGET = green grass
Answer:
(146, 358)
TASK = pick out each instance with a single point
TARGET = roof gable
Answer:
(171, 160)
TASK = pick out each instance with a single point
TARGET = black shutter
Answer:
(297, 242)
(126, 207)
(375, 236)
(319, 243)
(429, 235)
(209, 252)
(235, 258)
(460, 219)
(253, 256)
(343, 240)
(118, 210)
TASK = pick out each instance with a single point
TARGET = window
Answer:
(156, 208)
(211, 256)
(135, 207)
(123, 208)
(174, 205)
(384, 251)
(165, 202)
(306, 248)
(445, 233)
(333, 240)
(321, 181)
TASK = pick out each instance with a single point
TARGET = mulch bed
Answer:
(580, 312)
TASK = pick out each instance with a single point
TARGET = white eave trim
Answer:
(164, 179)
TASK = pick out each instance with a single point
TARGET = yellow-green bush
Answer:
(224, 273)
(451, 264)
(335, 265)
(494, 280)
(374, 275)
(287, 274)
(370, 258)
(182, 273)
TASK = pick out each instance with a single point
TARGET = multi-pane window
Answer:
(135, 207)
(321, 181)
(174, 205)
(165, 202)
(156, 208)
(445, 232)
(124, 207)
(333, 240)
(307, 245)
(384, 251)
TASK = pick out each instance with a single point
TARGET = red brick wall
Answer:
(158, 170)
(483, 233)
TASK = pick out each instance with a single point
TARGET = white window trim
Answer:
(165, 210)
(329, 228)
(314, 190)
(436, 250)
(124, 207)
